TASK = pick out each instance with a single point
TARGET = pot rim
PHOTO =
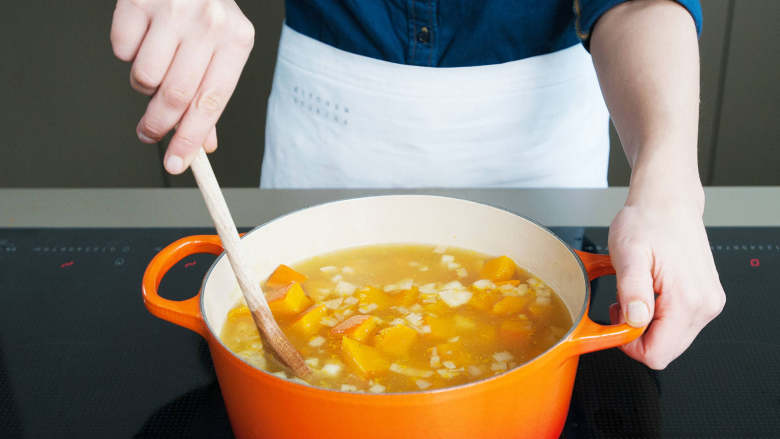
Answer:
(575, 322)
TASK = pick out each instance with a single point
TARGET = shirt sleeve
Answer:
(587, 13)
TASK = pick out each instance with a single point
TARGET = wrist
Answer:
(666, 181)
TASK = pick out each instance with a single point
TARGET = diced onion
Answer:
(332, 369)
(365, 309)
(345, 288)
(503, 356)
(454, 285)
(428, 288)
(410, 371)
(329, 321)
(455, 298)
(475, 371)
(422, 384)
(484, 284)
(377, 388)
(498, 366)
(333, 303)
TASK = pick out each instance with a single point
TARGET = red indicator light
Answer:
(190, 264)
(67, 264)
(755, 262)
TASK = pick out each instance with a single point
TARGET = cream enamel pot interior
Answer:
(528, 401)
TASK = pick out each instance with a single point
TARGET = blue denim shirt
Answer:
(453, 33)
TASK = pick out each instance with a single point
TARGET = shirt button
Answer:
(424, 35)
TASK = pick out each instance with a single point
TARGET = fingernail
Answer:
(141, 135)
(638, 314)
(174, 164)
(144, 138)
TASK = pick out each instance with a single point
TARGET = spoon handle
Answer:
(250, 287)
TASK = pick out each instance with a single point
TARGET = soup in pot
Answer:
(400, 318)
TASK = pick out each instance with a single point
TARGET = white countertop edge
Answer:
(168, 207)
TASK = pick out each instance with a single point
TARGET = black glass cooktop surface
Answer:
(81, 357)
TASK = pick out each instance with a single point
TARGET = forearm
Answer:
(647, 60)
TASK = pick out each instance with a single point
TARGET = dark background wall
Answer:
(70, 116)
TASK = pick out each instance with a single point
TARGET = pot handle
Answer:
(184, 313)
(590, 336)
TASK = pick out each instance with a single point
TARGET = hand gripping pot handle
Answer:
(184, 313)
(590, 336)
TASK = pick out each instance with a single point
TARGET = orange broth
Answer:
(400, 318)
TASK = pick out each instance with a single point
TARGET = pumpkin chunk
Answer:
(408, 297)
(284, 275)
(485, 299)
(373, 295)
(309, 323)
(396, 340)
(510, 305)
(442, 327)
(238, 312)
(288, 300)
(365, 359)
(437, 308)
(498, 269)
(358, 327)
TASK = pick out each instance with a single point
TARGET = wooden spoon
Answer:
(250, 287)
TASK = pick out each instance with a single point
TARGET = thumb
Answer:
(633, 270)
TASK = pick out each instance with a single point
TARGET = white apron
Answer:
(340, 120)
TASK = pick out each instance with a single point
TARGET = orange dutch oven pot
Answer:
(529, 401)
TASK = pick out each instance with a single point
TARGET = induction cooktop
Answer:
(81, 357)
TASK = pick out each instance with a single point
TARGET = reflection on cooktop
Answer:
(81, 357)
(197, 413)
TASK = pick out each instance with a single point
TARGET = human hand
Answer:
(662, 248)
(188, 55)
